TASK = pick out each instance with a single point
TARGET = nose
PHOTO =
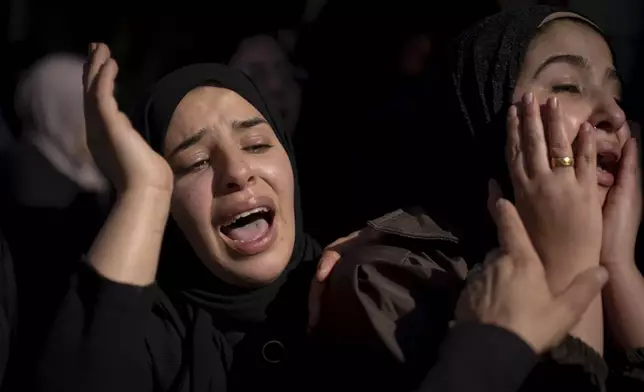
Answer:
(232, 173)
(608, 115)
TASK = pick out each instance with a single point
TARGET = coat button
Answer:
(273, 351)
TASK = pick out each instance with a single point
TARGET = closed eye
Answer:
(257, 148)
(195, 167)
(566, 88)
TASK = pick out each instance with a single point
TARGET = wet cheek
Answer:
(574, 118)
(279, 176)
(573, 126)
(193, 202)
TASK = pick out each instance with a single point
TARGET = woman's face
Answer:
(233, 195)
(570, 60)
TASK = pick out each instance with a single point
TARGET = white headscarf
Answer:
(49, 100)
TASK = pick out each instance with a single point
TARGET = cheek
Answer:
(192, 201)
(278, 173)
(575, 113)
(625, 133)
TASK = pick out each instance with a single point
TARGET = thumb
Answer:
(328, 260)
(494, 193)
(573, 302)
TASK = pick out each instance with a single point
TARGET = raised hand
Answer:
(555, 189)
(557, 198)
(119, 151)
(623, 212)
(512, 292)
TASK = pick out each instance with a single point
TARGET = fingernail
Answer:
(527, 99)
(554, 102)
(512, 111)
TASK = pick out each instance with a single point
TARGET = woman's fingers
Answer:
(513, 237)
(105, 89)
(514, 154)
(559, 148)
(533, 141)
(99, 56)
(586, 159)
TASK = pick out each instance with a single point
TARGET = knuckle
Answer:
(535, 139)
(587, 158)
(559, 149)
(514, 152)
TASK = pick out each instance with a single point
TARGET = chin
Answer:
(245, 270)
(256, 271)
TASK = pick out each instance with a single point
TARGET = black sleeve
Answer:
(8, 304)
(98, 341)
(477, 357)
(626, 370)
(572, 365)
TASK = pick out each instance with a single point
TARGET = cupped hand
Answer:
(623, 211)
(558, 203)
(511, 290)
(120, 152)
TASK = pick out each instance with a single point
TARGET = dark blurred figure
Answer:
(371, 76)
(57, 198)
(266, 62)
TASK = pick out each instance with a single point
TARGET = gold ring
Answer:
(562, 162)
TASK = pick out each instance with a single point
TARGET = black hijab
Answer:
(485, 66)
(181, 274)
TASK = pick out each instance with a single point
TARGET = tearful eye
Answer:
(566, 88)
(195, 167)
(257, 148)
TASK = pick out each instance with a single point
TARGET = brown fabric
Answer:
(388, 305)
(397, 292)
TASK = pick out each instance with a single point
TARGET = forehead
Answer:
(208, 107)
(565, 36)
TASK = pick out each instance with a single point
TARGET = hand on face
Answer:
(511, 291)
(623, 211)
(559, 205)
(118, 150)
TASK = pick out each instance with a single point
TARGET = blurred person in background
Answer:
(263, 59)
(56, 198)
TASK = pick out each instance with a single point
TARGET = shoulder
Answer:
(407, 280)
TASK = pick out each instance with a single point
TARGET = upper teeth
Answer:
(247, 213)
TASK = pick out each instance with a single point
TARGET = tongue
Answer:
(248, 232)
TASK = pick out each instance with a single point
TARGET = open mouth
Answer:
(249, 225)
(607, 162)
(607, 167)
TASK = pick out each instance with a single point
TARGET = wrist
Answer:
(146, 194)
(625, 269)
(562, 269)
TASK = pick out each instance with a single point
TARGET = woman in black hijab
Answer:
(237, 288)
(551, 54)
